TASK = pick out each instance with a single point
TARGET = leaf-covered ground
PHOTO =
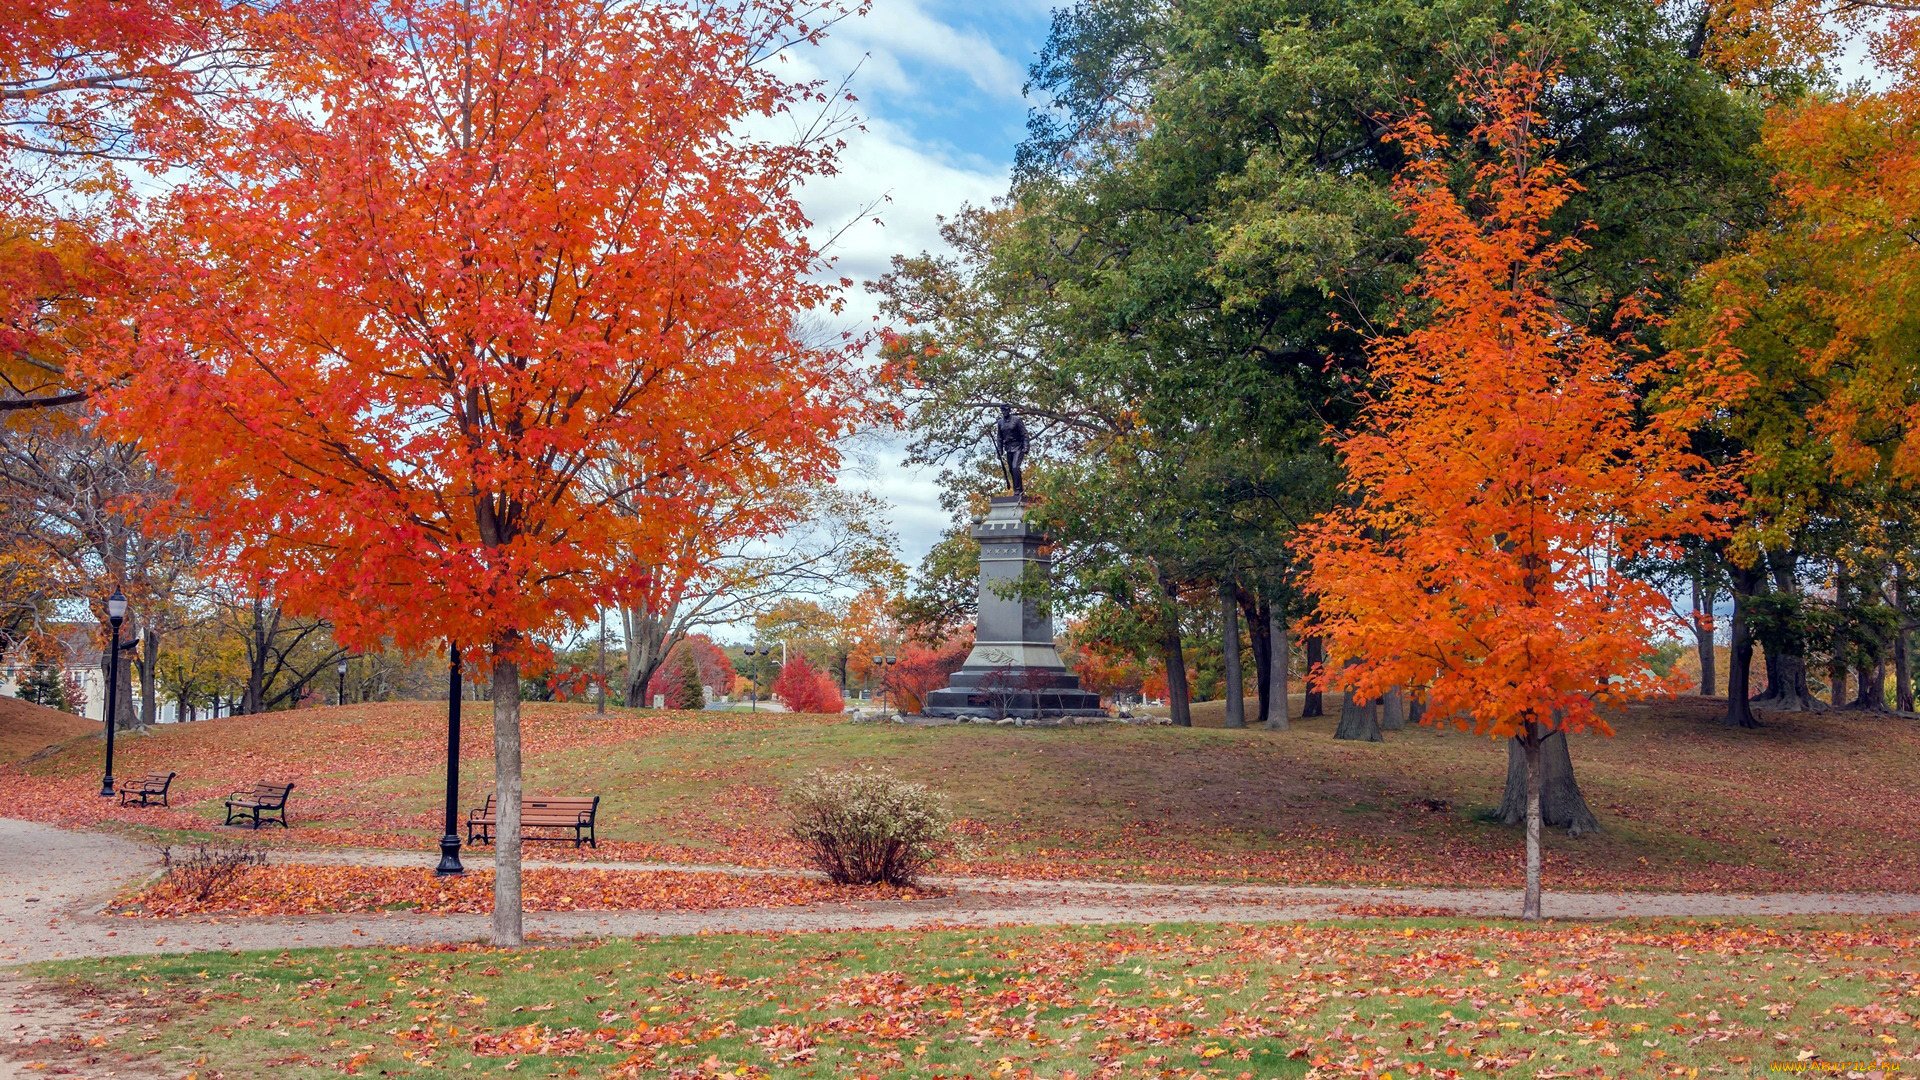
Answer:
(1406, 999)
(299, 889)
(1810, 802)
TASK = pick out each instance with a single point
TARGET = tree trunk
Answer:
(1787, 684)
(1562, 806)
(506, 790)
(1393, 711)
(1358, 720)
(1416, 710)
(1873, 688)
(1530, 748)
(1230, 653)
(1277, 718)
(1260, 643)
(149, 667)
(1178, 701)
(1786, 671)
(648, 635)
(1740, 654)
(1902, 664)
(1313, 702)
(1703, 635)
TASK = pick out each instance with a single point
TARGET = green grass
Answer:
(1651, 998)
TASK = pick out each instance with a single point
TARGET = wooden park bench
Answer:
(262, 798)
(148, 788)
(567, 813)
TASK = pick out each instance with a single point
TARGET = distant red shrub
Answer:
(804, 688)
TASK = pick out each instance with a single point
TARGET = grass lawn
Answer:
(1366, 999)
(1809, 802)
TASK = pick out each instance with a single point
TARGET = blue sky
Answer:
(939, 88)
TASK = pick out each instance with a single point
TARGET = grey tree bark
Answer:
(1703, 635)
(507, 920)
(1530, 751)
(1178, 702)
(1277, 718)
(1393, 711)
(147, 663)
(1359, 720)
(1230, 652)
(1562, 805)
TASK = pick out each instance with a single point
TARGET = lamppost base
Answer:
(449, 857)
(106, 788)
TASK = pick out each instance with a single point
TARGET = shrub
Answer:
(206, 869)
(806, 689)
(868, 827)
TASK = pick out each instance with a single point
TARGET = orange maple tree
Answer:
(453, 258)
(1830, 280)
(1500, 475)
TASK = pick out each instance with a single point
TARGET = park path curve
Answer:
(53, 883)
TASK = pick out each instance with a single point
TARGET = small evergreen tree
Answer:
(42, 685)
(691, 694)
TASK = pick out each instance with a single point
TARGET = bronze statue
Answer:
(1010, 438)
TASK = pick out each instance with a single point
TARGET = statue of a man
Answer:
(1010, 438)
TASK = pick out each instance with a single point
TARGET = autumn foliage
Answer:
(804, 688)
(1501, 474)
(439, 365)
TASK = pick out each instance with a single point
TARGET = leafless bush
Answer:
(868, 827)
(208, 868)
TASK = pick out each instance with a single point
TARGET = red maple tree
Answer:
(1501, 475)
(456, 258)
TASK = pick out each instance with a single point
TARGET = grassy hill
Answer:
(26, 728)
(1811, 801)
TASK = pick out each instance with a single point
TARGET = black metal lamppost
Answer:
(116, 613)
(340, 698)
(881, 664)
(753, 693)
(450, 842)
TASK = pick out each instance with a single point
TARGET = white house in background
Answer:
(81, 663)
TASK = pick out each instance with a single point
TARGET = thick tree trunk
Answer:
(1787, 684)
(1277, 717)
(1313, 703)
(1358, 720)
(506, 790)
(1703, 635)
(1416, 710)
(1393, 711)
(1530, 749)
(1873, 688)
(149, 667)
(1562, 806)
(1230, 653)
(1260, 644)
(1740, 655)
(1179, 703)
(648, 635)
(1786, 671)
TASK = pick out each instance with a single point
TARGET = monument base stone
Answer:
(1014, 669)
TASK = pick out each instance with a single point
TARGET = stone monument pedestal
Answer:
(1014, 669)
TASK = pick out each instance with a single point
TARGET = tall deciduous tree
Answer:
(461, 252)
(1500, 476)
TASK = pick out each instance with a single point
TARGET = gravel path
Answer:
(56, 881)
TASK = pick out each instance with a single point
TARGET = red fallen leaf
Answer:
(306, 889)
